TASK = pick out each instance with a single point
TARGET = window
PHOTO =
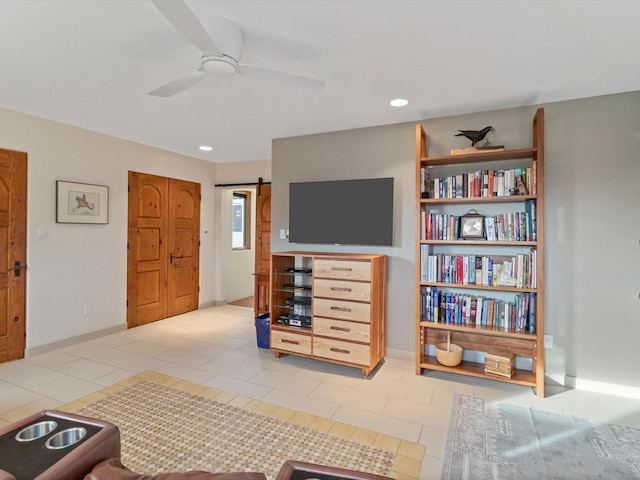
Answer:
(240, 221)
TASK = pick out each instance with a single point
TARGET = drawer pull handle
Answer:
(341, 309)
(293, 342)
(339, 350)
(341, 269)
(341, 329)
(341, 289)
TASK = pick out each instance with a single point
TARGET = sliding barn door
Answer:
(163, 248)
(263, 250)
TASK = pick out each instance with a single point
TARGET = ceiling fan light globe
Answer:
(219, 67)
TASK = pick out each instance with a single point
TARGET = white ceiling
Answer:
(90, 63)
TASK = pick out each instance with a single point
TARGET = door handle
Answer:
(16, 268)
(172, 256)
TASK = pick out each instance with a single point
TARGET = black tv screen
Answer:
(342, 212)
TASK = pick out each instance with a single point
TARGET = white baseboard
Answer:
(67, 342)
(551, 379)
(212, 303)
(400, 355)
(601, 387)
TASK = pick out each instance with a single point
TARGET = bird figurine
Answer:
(475, 135)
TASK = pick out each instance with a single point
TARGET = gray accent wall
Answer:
(592, 220)
(364, 153)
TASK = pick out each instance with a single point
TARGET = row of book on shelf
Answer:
(518, 316)
(510, 227)
(480, 183)
(487, 270)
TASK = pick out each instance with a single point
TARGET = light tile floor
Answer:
(217, 347)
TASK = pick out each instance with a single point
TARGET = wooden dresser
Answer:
(330, 307)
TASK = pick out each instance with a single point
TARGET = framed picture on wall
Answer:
(81, 203)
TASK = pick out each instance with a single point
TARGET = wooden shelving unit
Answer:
(340, 301)
(473, 337)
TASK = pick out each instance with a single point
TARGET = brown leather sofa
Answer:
(113, 469)
(31, 457)
(96, 456)
(294, 470)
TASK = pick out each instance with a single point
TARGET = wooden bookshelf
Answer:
(475, 337)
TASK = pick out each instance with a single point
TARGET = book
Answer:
(425, 183)
(530, 209)
(459, 270)
(490, 228)
(471, 262)
(500, 184)
(484, 192)
(490, 191)
(485, 311)
(435, 305)
(479, 307)
(491, 312)
(473, 310)
(465, 270)
(534, 180)
(532, 313)
(424, 262)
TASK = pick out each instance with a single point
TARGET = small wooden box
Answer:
(499, 363)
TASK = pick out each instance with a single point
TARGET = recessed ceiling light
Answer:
(399, 102)
(206, 148)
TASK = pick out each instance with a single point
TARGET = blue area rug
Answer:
(494, 440)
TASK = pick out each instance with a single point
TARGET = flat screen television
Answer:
(342, 212)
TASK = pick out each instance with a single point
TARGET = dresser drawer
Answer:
(328, 307)
(342, 290)
(341, 351)
(328, 327)
(342, 269)
(292, 342)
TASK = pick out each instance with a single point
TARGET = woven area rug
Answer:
(494, 440)
(169, 425)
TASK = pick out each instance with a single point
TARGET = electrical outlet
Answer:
(548, 341)
(87, 309)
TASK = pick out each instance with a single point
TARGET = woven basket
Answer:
(450, 358)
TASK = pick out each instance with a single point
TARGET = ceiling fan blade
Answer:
(183, 19)
(283, 78)
(179, 84)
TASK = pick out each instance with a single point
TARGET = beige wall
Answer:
(86, 264)
(364, 153)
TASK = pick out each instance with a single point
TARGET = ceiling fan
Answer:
(220, 53)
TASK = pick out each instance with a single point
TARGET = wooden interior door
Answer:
(13, 253)
(163, 248)
(263, 250)
(184, 243)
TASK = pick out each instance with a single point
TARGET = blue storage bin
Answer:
(263, 326)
